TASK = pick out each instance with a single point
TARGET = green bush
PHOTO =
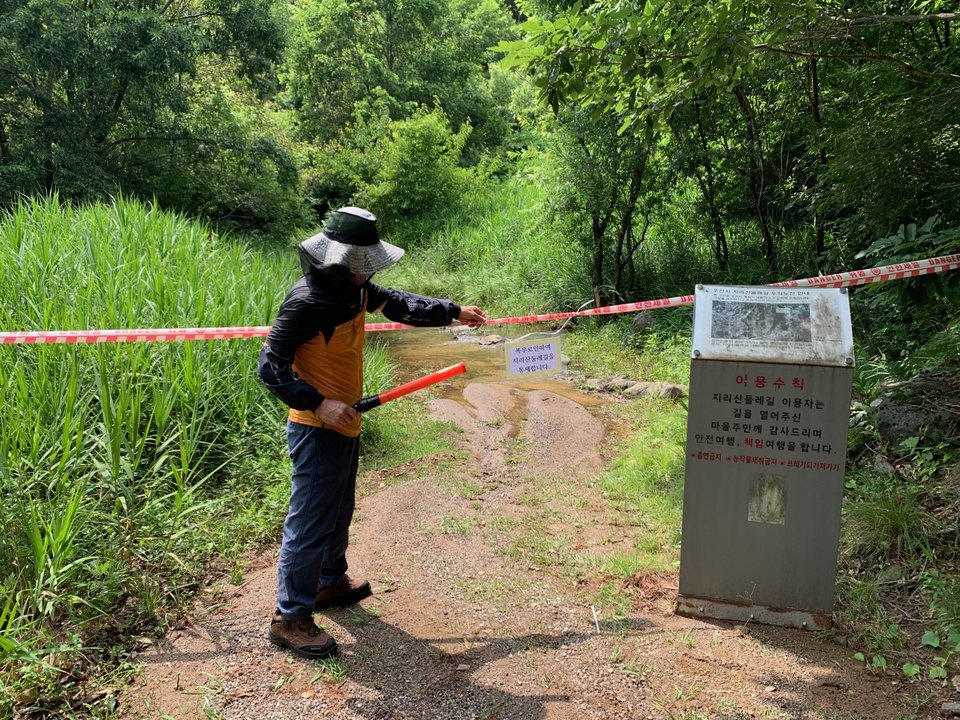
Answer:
(333, 173)
(492, 249)
(419, 171)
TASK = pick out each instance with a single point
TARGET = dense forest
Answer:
(158, 160)
(737, 141)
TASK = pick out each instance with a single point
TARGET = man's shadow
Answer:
(441, 678)
(401, 676)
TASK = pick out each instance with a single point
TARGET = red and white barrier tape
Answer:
(117, 336)
(847, 279)
(898, 271)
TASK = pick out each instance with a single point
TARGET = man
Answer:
(313, 361)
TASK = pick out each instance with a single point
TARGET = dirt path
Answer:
(463, 624)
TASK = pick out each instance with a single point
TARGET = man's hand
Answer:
(472, 316)
(334, 412)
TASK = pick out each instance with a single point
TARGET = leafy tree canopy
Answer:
(349, 53)
(81, 83)
(641, 60)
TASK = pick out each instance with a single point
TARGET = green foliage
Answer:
(867, 378)
(922, 299)
(94, 96)
(946, 650)
(943, 589)
(401, 169)
(14, 640)
(642, 61)
(799, 143)
(663, 355)
(418, 173)
(891, 143)
(890, 520)
(408, 55)
(927, 459)
(232, 164)
(492, 249)
(646, 484)
(334, 172)
(602, 197)
(938, 662)
(899, 550)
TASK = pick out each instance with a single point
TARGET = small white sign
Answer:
(532, 357)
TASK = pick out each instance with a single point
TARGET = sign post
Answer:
(770, 384)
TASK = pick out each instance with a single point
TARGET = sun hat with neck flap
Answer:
(350, 239)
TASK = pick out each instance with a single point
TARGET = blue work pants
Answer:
(313, 553)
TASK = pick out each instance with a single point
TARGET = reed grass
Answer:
(126, 468)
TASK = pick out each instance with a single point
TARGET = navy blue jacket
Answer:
(313, 307)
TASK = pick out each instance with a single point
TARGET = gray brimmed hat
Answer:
(350, 238)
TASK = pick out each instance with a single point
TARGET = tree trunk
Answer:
(707, 188)
(596, 276)
(936, 34)
(618, 264)
(632, 248)
(115, 105)
(622, 259)
(598, 228)
(48, 171)
(755, 178)
(4, 146)
(814, 92)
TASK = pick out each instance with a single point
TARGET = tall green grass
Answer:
(645, 483)
(495, 249)
(126, 469)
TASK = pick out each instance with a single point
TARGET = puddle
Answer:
(417, 352)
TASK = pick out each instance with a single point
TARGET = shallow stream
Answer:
(419, 351)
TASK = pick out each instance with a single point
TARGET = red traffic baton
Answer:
(369, 403)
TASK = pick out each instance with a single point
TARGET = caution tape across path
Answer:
(898, 271)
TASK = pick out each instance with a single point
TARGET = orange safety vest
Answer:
(335, 369)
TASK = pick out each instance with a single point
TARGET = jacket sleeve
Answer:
(275, 368)
(411, 309)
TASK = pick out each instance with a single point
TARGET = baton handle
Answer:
(369, 403)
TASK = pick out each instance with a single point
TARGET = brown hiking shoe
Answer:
(302, 637)
(342, 593)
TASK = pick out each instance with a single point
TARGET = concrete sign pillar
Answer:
(770, 384)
